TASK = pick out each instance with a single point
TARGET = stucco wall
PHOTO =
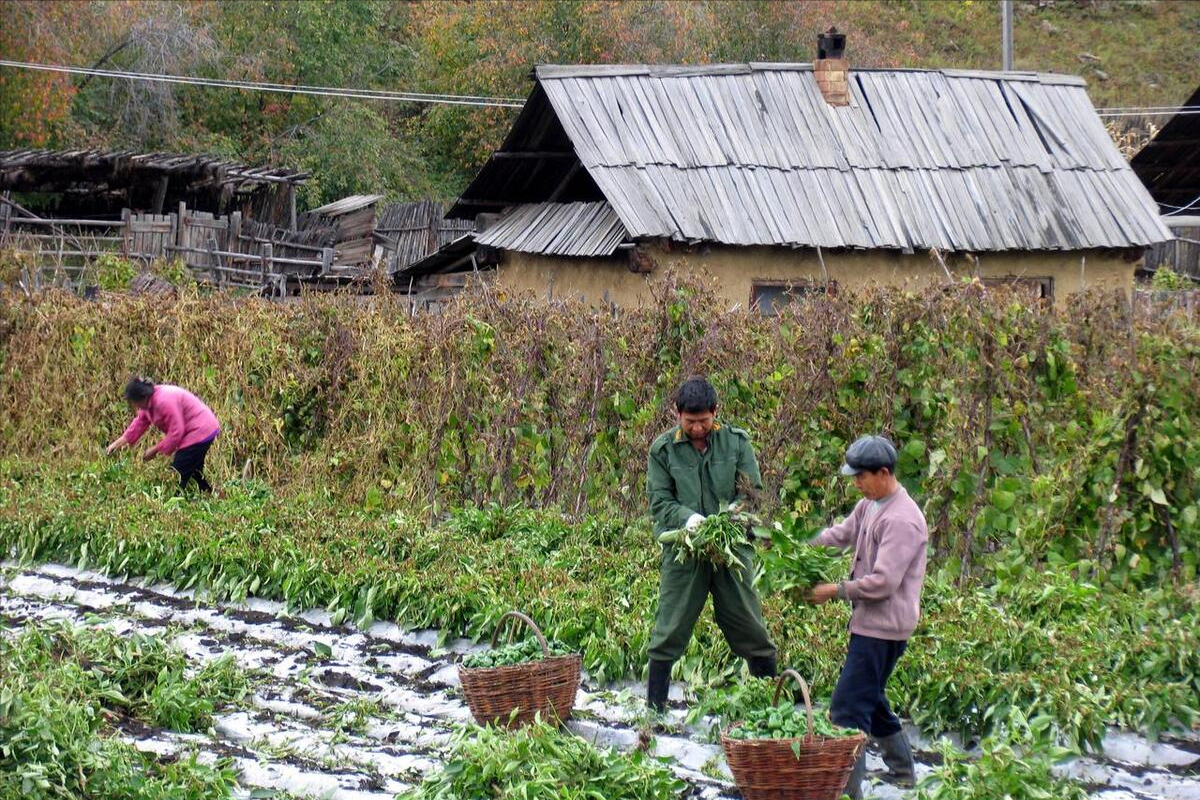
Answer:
(735, 269)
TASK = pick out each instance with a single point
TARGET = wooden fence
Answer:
(215, 249)
(1157, 302)
(1181, 254)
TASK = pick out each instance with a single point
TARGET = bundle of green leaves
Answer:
(539, 762)
(799, 567)
(716, 539)
(516, 653)
(786, 721)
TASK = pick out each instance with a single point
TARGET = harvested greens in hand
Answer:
(801, 566)
(716, 539)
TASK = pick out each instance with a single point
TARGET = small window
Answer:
(769, 297)
(1032, 288)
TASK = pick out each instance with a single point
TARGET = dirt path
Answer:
(361, 715)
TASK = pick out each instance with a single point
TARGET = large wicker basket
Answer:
(546, 687)
(770, 769)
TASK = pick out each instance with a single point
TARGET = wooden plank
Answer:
(69, 223)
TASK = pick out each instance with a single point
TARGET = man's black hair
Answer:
(696, 396)
(138, 390)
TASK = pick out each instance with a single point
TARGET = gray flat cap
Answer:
(869, 453)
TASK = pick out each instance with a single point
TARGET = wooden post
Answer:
(326, 260)
(126, 231)
(160, 194)
(5, 215)
(268, 251)
(181, 236)
(235, 231)
(291, 190)
(170, 238)
(215, 261)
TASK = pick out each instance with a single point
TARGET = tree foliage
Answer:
(489, 49)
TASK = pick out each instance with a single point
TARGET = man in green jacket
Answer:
(695, 470)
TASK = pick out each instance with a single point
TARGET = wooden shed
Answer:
(99, 184)
(1169, 166)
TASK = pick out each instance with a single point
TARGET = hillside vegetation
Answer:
(1132, 52)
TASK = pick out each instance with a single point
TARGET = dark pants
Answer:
(683, 590)
(858, 699)
(189, 463)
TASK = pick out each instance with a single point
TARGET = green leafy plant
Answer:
(1026, 637)
(538, 762)
(60, 690)
(114, 272)
(1015, 762)
(1168, 280)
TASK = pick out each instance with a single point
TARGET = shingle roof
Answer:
(751, 154)
(564, 229)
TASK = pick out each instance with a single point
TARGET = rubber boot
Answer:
(857, 775)
(763, 667)
(898, 757)
(658, 685)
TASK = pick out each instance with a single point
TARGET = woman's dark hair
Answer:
(695, 397)
(138, 390)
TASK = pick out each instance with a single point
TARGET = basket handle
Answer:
(536, 632)
(803, 692)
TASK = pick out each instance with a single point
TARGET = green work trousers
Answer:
(682, 591)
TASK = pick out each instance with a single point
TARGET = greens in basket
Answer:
(725, 706)
(786, 722)
(518, 653)
(717, 538)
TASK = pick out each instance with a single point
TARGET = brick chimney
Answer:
(832, 69)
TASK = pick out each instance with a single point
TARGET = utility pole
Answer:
(1006, 42)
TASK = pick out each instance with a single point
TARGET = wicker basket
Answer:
(769, 769)
(545, 687)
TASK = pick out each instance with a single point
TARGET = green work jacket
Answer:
(682, 481)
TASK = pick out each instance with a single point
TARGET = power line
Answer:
(1146, 108)
(1189, 112)
(280, 88)
(1180, 209)
(418, 97)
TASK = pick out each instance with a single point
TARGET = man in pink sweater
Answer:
(888, 533)
(189, 427)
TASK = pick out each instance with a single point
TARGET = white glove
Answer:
(693, 521)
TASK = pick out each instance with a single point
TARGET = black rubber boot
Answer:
(898, 757)
(857, 775)
(762, 667)
(658, 685)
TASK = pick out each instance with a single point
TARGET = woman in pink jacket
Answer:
(189, 427)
